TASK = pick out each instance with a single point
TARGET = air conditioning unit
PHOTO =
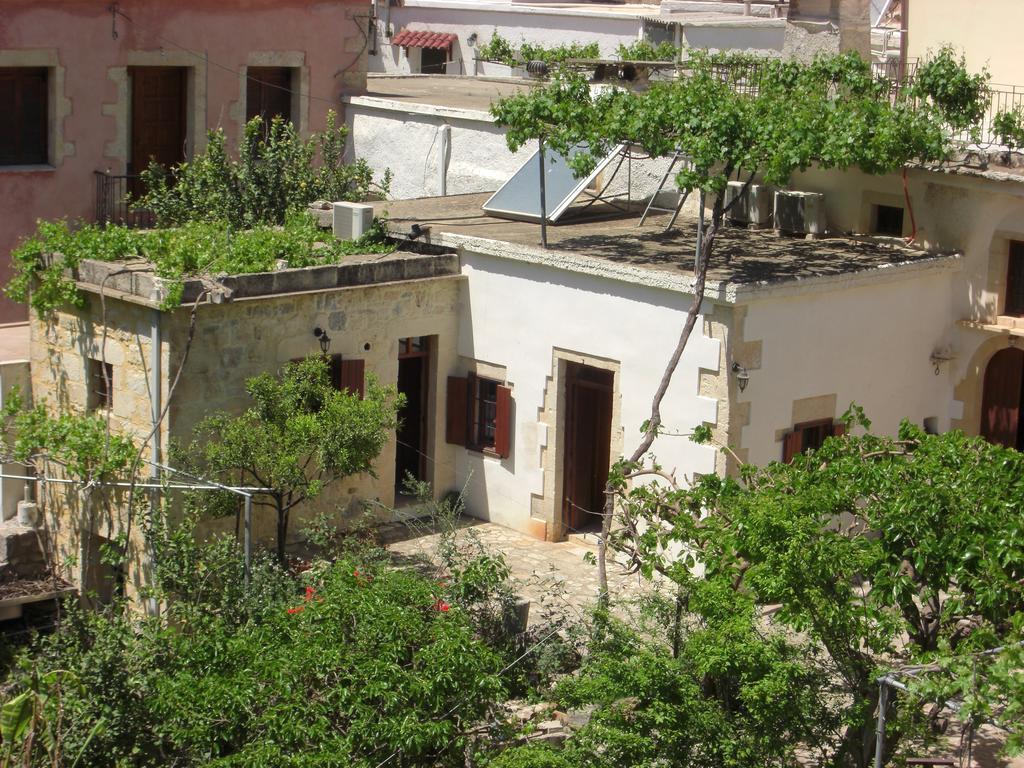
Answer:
(800, 213)
(754, 207)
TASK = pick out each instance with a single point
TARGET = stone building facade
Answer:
(259, 323)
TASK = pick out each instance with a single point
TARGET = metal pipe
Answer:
(543, 195)
(247, 538)
(883, 704)
(240, 490)
(155, 391)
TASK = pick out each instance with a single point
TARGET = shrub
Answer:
(1009, 127)
(643, 50)
(276, 172)
(42, 262)
(364, 664)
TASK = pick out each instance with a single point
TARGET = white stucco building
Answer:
(444, 36)
(578, 334)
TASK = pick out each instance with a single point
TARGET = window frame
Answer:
(876, 220)
(254, 74)
(99, 385)
(829, 428)
(447, 52)
(21, 75)
(465, 414)
(483, 415)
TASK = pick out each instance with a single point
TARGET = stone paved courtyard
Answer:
(555, 572)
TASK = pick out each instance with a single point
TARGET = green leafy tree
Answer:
(300, 435)
(881, 551)
(732, 114)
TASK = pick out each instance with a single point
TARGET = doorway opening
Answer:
(1002, 400)
(588, 432)
(413, 382)
(158, 119)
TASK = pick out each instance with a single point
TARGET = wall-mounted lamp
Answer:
(742, 377)
(471, 40)
(325, 340)
(940, 356)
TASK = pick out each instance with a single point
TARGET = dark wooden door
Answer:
(1002, 399)
(413, 382)
(158, 125)
(587, 446)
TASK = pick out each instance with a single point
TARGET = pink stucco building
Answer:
(90, 86)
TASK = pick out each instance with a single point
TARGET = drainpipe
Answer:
(543, 195)
(156, 403)
(883, 703)
(442, 163)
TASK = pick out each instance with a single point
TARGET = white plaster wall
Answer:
(410, 144)
(762, 35)
(13, 374)
(869, 344)
(516, 314)
(407, 139)
(515, 25)
(953, 213)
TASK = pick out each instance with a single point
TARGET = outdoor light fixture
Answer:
(325, 340)
(742, 377)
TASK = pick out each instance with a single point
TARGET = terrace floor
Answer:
(552, 575)
(741, 256)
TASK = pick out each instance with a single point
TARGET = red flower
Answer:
(441, 606)
(310, 592)
(296, 609)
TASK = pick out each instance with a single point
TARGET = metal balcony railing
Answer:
(115, 201)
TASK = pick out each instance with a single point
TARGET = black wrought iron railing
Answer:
(115, 201)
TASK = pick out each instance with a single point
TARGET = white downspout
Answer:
(156, 403)
(442, 162)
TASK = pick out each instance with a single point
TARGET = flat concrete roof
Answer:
(647, 254)
(134, 281)
(449, 91)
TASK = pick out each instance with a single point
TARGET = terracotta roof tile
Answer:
(409, 38)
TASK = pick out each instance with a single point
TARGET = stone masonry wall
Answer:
(238, 340)
(233, 341)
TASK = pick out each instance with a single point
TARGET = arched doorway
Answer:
(1002, 403)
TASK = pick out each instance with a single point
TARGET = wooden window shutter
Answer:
(457, 422)
(838, 430)
(503, 422)
(792, 444)
(352, 376)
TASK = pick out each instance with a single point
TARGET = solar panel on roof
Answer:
(519, 197)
